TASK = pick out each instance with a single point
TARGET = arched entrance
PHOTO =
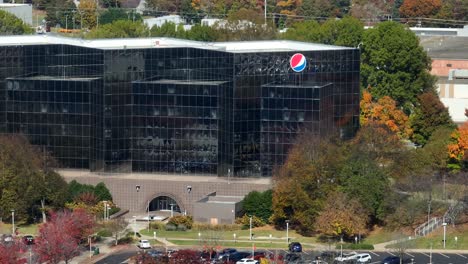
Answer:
(164, 203)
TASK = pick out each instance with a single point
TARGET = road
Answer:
(118, 257)
(308, 257)
(418, 258)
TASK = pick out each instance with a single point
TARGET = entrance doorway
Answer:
(164, 203)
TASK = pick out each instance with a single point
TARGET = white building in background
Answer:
(159, 21)
(453, 92)
(22, 11)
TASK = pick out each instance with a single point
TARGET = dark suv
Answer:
(295, 247)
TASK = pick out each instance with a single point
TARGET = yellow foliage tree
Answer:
(384, 112)
(457, 151)
(87, 14)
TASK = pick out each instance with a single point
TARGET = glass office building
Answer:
(174, 106)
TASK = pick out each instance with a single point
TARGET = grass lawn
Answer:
(380, 235)
(436, 239)
(260, 234)
(22, 229)
(238, 244)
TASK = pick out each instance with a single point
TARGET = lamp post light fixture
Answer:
(235, 239)
(250, 226)
(12, 222)
(456, 242)
(445, 231)
(287, 232)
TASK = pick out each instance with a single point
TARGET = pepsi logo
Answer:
(298, 62)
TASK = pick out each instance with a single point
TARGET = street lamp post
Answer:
(445, 230)
(287, 231)
(90, 249)
(12, 222)
(250, 227)
(172, 210)
(234, 235)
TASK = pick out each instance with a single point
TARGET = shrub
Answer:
(356, 246)
(104, 233)
(245, 221)
(185, 220)
(204, 227)
(171, 227)
(181, 227)
(157, 225)
(125, 240)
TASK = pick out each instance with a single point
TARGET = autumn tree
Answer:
(371, 10)
(316, 8)
(10, 252)
(394, 64)
(304, 181)
(458, 149)
(87, 13)
(12, 25)
(342, 216)
(59, 238)
(143, 257)
(117, 227)
(420, 8)
(24, 181)
(384, 112)
(185, 256)
(428, 116)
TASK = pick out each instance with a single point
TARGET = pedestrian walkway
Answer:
(106, 247)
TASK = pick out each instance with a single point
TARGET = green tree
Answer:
(114, 14)
(394, 64)
(11, 25)
(364, 180)
(344, 32)
(120, 29)
(429, 116)
(110, 3)
(308, 31)
(258, 204)
(168, 29)
(202, 33)
(102, 193)
(316, 8)
(61, 12)
(87, 13)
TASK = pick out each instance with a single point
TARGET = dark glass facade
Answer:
(174, 109)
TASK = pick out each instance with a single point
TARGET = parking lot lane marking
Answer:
(374, 254)
(375, 262)
(269, 251)
(409, 254)
(424, 254)
(461, 255)
(443, 255)
(391, 253)
(305, 252)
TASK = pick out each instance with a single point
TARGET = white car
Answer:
(346, 256)
(144, 244)
(363, 258)
(247, 261)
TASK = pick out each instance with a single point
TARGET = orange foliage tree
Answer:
(384, 112)
(420, 8)
(458, 149)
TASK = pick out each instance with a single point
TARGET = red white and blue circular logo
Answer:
(298, 62)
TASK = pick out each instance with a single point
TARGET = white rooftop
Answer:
(234, 47)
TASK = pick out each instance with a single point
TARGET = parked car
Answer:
(247, 261)
(144, 244)
(363, 258)
(295, 247)
(238, 256)
(394, 260)
(156, 253)
(28, 240)
(346, 256)
(225, 253)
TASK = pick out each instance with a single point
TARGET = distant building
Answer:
(450, 64)
(216, 209)
(22, 11)
(159, 21)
